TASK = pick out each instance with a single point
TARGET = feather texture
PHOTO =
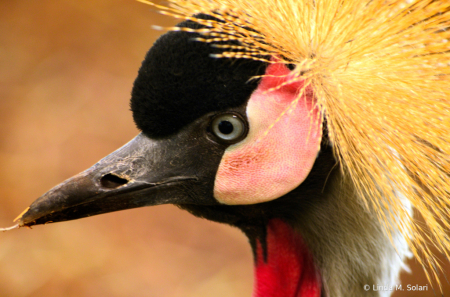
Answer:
(380, 71)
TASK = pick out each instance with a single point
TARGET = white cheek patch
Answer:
(279, 152)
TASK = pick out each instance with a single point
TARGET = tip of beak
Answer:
(21, 214)
(16, 226)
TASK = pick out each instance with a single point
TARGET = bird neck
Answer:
(283, 264)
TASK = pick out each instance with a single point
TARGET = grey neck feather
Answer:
(350, 245)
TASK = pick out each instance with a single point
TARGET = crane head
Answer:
(230, 140)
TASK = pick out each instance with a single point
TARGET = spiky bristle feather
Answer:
(380, 70)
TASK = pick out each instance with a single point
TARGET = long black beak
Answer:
(144, 172)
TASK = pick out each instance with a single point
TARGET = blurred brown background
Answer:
(66, 71)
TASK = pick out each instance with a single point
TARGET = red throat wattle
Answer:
(288, 270)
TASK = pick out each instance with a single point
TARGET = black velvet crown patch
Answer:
(179, 82)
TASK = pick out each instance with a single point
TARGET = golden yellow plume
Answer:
(380, 72)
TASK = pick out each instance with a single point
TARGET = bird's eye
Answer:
(229, 128)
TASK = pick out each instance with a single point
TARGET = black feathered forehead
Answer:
(178, 82)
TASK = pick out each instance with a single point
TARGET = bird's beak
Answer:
(143, 172)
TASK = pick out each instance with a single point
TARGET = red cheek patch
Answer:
(281, 147)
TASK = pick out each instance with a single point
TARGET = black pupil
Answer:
(225, 127)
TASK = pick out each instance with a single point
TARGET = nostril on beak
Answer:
(111, 181)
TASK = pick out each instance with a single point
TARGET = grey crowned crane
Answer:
(266, 125)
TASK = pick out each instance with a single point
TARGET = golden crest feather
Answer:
(380, 70)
